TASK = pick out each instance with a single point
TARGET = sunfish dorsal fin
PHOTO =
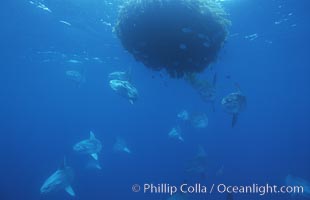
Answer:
(70, 191)
(92, 135)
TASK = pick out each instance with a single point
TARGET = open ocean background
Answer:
(43, 114)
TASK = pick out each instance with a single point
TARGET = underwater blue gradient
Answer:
(43, 114)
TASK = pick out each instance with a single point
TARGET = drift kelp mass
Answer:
(181, 36)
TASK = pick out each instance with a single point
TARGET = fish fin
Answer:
(131, 101)
(98, 167)
(70, 191)
(92, 135)
(127, 150)
(234, 120)
(94, 155)
(181, 138)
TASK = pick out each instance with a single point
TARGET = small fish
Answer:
(65, 22)
(91, 146)
(97, 59)
(277, 22)
(43, 7)
(106, 23)
(40, 5)
(251, 37)
(175, 133)
(73, 61)
(183, 115)
(76, 77)
(59, 180)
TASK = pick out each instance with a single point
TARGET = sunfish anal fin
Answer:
(234, 120)
(70, 191)
(95, 156)
(98, 167)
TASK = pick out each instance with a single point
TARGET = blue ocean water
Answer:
(43, 114)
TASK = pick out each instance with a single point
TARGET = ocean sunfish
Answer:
(233, 104)
(59, 180)
(91, 146)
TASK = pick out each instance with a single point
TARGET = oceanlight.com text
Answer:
(260, 189)
(198, 188)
